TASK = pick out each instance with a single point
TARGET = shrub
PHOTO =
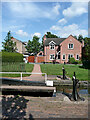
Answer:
(86, 64)
(12, 57)
(79, 61)
(72, 60)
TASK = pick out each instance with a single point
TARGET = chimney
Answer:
(82, 43)
(44, 38)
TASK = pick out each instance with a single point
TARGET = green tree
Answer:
(33, 46)
(86, 53)
(9, 45)
(75, 36)
(29, 47)
(80, 38)
(50, 35)
(86, 49)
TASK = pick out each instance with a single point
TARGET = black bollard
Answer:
(63, 73)
(75, 93)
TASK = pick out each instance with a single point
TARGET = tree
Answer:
(75, 36)
(9, 45)
(86, 53)
(29, 47)
(80, 38)
(34, 45)
(50, 35)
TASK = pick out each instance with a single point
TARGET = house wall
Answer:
(48, 51)
(76, 50)
(20, 46)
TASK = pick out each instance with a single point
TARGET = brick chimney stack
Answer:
(82, 43)
(44, 38)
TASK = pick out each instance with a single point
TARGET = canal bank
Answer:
(43, 107)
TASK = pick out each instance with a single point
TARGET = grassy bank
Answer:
(56, 69)
(16, 67)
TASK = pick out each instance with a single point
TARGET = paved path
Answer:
(37, 77)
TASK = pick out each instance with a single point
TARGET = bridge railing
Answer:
(21, 74)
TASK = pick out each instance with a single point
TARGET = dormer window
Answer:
(70, 46)
(52, 46)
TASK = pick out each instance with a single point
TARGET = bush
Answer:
(72, 60)
(12, 57)
(79, 61)
(86, 64)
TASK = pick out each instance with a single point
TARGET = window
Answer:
(70, 46)
(77, 57)
(63, 57)
(58, 55)
(70, 56)
(52, 46)
(52, 57)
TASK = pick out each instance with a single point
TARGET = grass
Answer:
(56, 69)
(16, 67)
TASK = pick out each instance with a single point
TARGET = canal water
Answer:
(68, 89)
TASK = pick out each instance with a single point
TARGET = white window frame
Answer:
(69, 44)
(50, 57)
(76, 56)
(62, 57)
(70, 56)
(53, 47)
(52, 43)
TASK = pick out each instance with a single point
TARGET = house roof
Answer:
(56, 40)
(18, 40)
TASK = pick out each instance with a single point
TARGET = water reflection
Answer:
(68, 89)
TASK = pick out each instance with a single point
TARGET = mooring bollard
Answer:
(63, 73)
(75, 93)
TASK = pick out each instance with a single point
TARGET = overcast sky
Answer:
(25, 19)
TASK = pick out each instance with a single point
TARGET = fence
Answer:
(13, 67)
(21, 74)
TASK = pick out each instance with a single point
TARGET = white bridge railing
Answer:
(47, 82)
(21, 74)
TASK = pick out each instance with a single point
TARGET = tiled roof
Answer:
(56, 40)
(18, 40)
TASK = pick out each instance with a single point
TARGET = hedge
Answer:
(11, 57)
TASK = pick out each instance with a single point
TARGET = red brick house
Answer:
(61, 49)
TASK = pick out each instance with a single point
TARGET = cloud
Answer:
(33, 10)
(76, 9)
(62, 21)
(36, 34)
(55, 28)
(56, 9)
(22, 33)
(12, 28)
(67, 30)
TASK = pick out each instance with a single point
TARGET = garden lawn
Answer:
(56, 69)
(16, 67)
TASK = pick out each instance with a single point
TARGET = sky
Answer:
(26, 19)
